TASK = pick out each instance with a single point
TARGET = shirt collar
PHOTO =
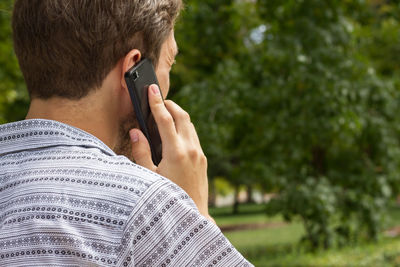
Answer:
(39, 133)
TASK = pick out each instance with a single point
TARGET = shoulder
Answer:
(96, 163)
(166, 228)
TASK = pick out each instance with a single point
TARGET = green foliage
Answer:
(222, 186)
(299, 97)
(13, 95)
(336, 128)
(302, 104)
(278, 245)
(383, 253)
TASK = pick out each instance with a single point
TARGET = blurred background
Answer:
(296, 104)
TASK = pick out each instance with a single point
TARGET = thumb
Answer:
(141, 149)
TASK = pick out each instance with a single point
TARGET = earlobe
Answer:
(130, 60)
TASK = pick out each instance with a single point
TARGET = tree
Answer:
(299, 97)
(13, 95)
(210, 37)
(297, 106)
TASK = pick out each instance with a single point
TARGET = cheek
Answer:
(163, 80)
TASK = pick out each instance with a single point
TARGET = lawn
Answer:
(278, 245)
(249, 213)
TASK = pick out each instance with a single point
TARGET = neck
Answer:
(90, 116)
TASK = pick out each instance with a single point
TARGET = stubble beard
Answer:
(124, 145)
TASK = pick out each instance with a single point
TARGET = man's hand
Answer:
(183, 160)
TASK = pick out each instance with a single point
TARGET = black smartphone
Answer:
(138, 79)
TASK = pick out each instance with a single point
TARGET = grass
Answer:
(248, 213)
(384, 253)
(265, 245)
(279, 245)
(394, 217)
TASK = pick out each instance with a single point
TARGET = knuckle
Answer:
(179, 156)
(168, 102)
(203, 158)
(166, 119)
(155, 102)
(193, 153)
(196, 154)
(185, 115)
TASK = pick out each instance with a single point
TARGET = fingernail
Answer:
(134, 136)
(155, 90)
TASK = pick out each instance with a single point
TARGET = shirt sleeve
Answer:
(166, 229)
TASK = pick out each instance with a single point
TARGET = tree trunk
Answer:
(318, 160)
(236, 200)
(250, 199)
(213, 194)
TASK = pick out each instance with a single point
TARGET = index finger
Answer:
(163, 118)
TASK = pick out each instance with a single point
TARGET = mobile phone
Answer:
(138, 79)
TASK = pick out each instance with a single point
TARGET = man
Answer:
(68, 196)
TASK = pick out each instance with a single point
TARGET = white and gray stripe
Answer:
(66, 199)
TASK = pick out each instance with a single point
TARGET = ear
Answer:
(130, 60)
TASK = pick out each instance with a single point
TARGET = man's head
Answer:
(69, 49)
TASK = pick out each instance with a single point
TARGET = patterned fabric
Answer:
(66, 199)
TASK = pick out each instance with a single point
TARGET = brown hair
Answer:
(66, 48)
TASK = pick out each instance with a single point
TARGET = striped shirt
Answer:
(66, 199)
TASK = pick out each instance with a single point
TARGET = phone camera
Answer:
(135, 75)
